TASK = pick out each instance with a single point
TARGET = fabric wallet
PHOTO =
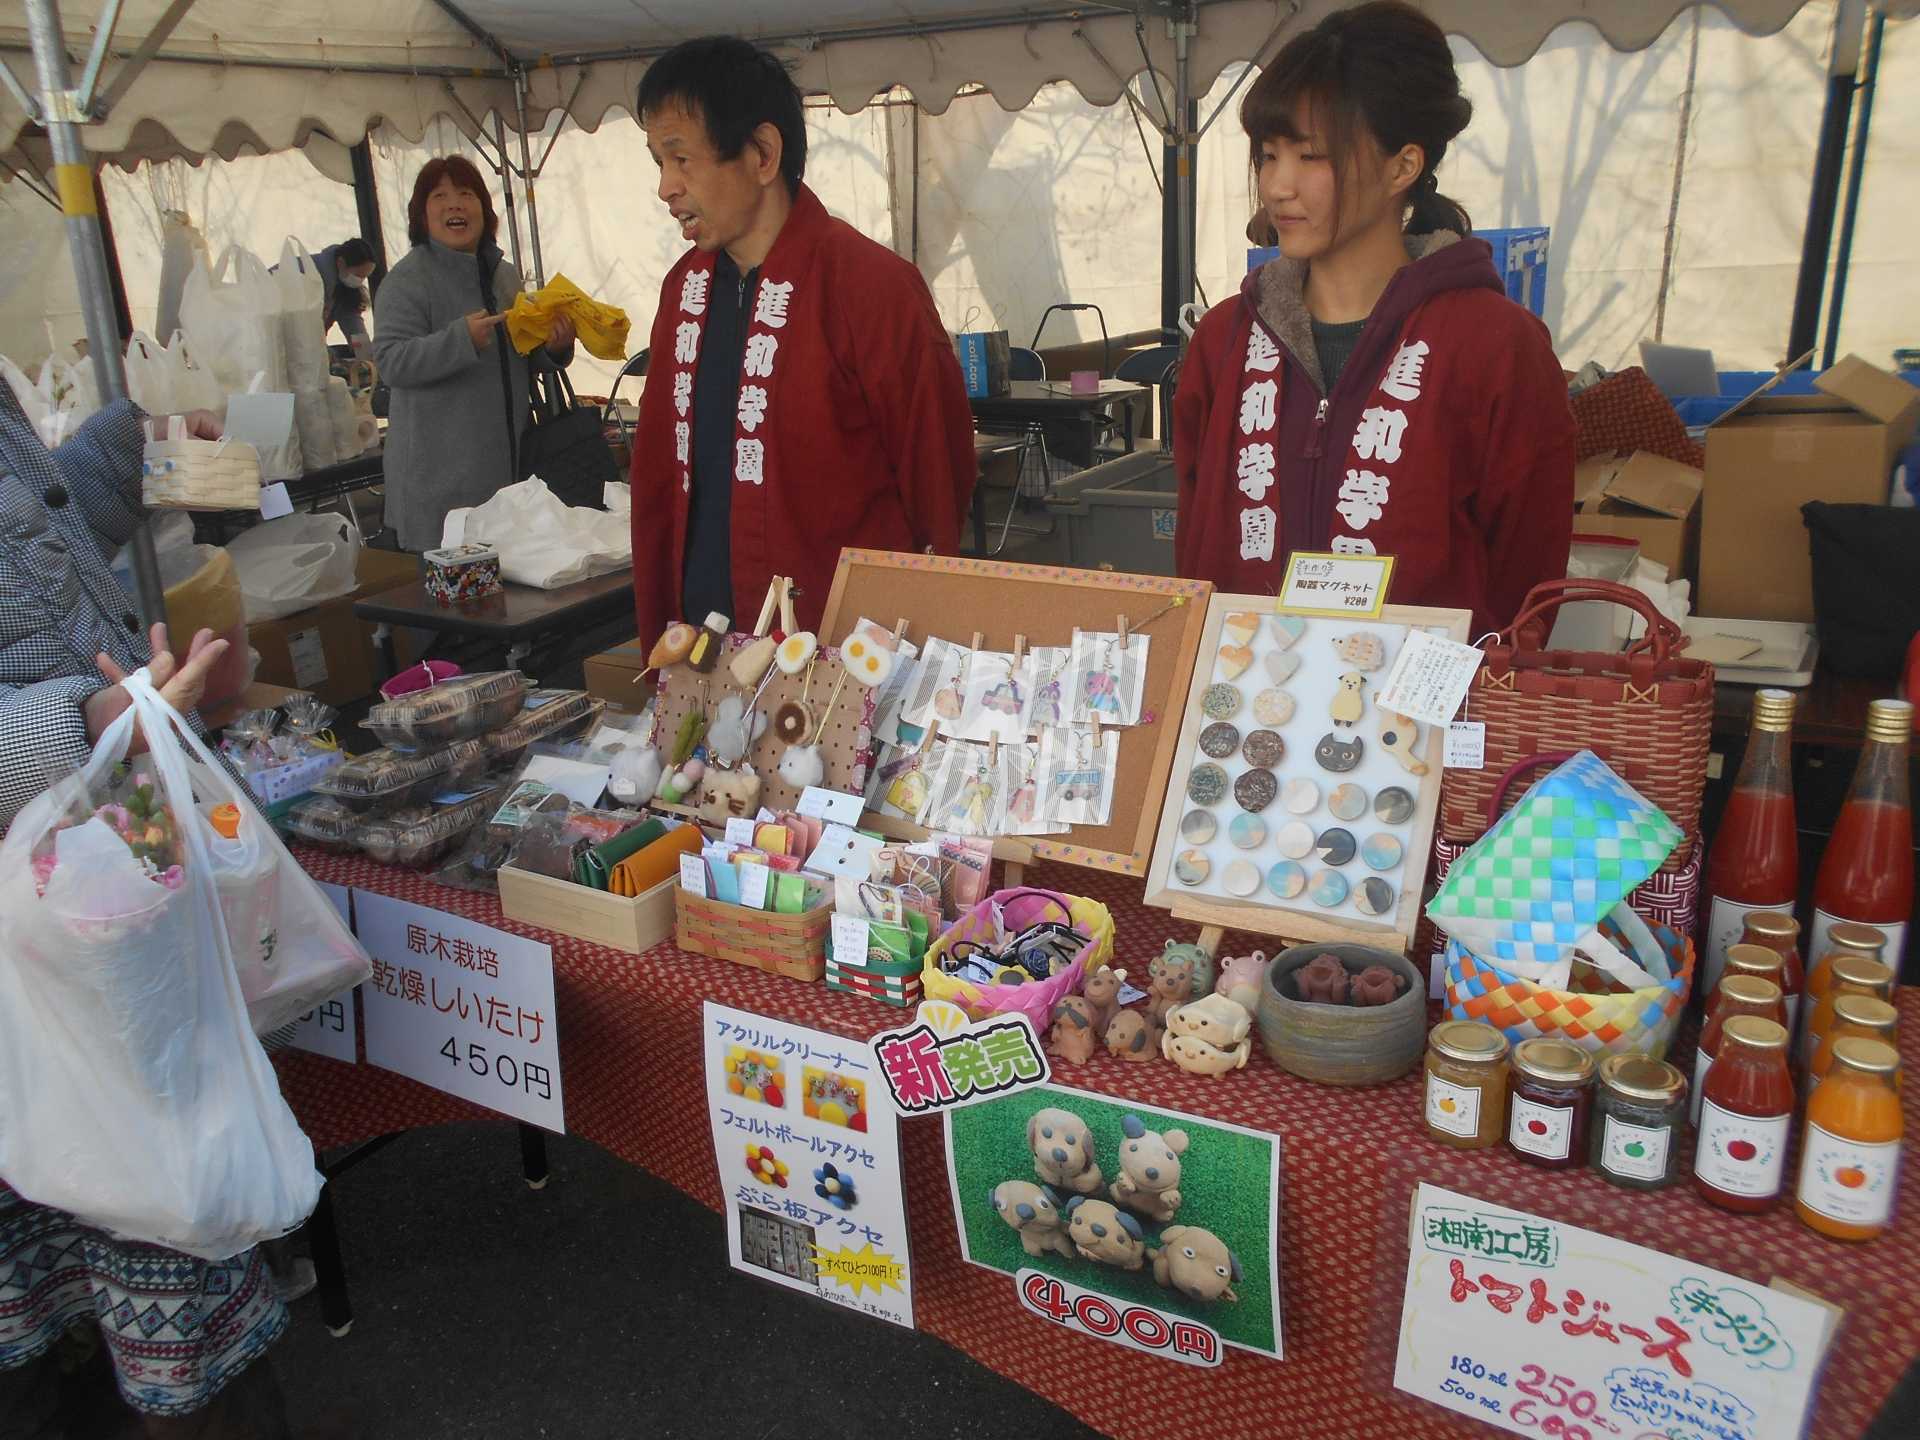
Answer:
(641, 871)
(594, 867)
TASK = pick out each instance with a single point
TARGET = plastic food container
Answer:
(418, 835)
(452, 710)
(548, 713)
(386, 779)
(461, 574)
(326, 823)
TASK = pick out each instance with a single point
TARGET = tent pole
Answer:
(73, 179)
(527, 176)
(1824, 194)
(366, 200)
(1186, 111)
(1870, 76)
(506, 189)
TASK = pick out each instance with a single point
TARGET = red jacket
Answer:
(1481, 504)
(869, 437)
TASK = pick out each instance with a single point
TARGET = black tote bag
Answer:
(566, 446)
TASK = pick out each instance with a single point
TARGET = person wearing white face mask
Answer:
(344, 269)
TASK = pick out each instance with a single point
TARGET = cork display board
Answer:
(953, 598)
(843, 742)
(1296, 805)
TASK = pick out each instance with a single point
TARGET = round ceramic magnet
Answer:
(1393, 806)
(1191, 867)
(1199, 827)
(1248, 832)
(1221, 702)
(1242, 879)
(1382, 852)
(1255, 790)
(1374, 897)
(1336, 846)
(1303, 796)
(1329, 889)
(1273, 707)
(1347, 802)
(1287, 881)
(1207, 785)
(1219, 740)
(1338, 754)
(1265, 749)
(1295, 840)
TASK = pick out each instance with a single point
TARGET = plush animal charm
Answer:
(1400, 738)
(1149, 1179)
(1132, 1035)
(1171, 980)
(1102, 990)
(1106, 1234)
(1196, 1263)
(1242, 978)
(1034, 1213)
(727, 738)
(1074, 1033)
(1062, 1148)
(1349, 700)
(729, 794)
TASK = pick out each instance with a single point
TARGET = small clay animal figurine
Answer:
(1102, 990)
(1132, 1036)
(1062, 1148)
(1196, 1263)
(1197, 1057)
(1034, 1213)
(1171, 980)
(1241, 979)
(1400, 738)
(1349, 700)
(1202, 964)
(1149, 1179)
(1074, 1034)
(1106, 1234)
(1212, 1018)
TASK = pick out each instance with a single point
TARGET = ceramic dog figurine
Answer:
(1132, 1035)
(1103, 993)
(1074, 1035)
(1106, 1234)
(1241, 979)
(1196, 1263)
(1034, 1213)
(1149, 1180)
(1172, 980)
(1062, 1148)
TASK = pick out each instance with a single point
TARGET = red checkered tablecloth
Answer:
(631, 1047)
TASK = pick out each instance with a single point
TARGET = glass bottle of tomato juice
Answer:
(1740, 1157)
(1866, 874)
(1754, 861)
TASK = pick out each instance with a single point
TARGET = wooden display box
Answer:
(634, 924)
(790, 945)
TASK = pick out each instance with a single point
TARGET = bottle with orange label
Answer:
(1737, 995)
(1862, 942)
(1850, 1163)
(1851, 976)
(1856, 1017)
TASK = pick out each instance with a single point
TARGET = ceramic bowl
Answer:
(1343, 1044)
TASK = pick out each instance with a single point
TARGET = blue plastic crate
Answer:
(1520, 255)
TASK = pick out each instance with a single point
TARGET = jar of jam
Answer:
(1551, 1103)
(1737, 995)
(1780, 933)
(1740, 1159)
(1856, 1017)
(1466, 1093)
(1639, 1107)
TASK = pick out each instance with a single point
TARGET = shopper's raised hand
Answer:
(480, 329)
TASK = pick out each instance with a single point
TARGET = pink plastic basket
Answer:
(1019, 909)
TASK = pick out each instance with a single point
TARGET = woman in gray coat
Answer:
(459, 390)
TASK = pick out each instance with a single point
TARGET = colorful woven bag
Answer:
(1019, 909)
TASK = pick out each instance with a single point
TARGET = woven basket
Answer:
(1647, 712)
(1020, 908)
(200, 475)
(896, 982)
(790, 945)
(1595, 1012)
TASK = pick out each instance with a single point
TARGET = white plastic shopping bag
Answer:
(295, 562)
(132, 1090)
(542, 541)
(231, 314)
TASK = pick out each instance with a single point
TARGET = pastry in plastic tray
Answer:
(383, 779)
(548, 713)
(418, 835)
(326, 823)
(454, 710)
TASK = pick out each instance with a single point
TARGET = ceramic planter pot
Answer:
(1343, 1044)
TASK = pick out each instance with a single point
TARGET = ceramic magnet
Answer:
(1288, 629)
(1286, 881)
(1219, 740)
(1382, 852)
(1329, 889)
(1349, 700)
(1393, 806)
(1207, 785)
(1256, 790)
(1220, 702)
(1337, 754)
(1248, 832)
(1191, 867)
(1303, 796)
(1242, 879)
(1265, 749)
(1336, 846)
(1374, 897)
(1273, 707)
(1347, 802)
(1199, 827)
(1281, 665)
(1295, 840)
(1400, 738)
(1361, 651)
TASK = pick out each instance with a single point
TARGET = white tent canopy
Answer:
(237, 74)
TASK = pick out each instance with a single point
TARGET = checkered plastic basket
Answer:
(1019, 909)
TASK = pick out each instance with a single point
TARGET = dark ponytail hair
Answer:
(1382, 69)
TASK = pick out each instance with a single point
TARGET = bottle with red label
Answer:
(1866, 875)
(1737, 995)
(1754, 861)
(1740, 1158)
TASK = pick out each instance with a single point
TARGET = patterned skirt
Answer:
(178, 1328)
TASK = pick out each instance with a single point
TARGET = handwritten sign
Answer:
(462, 1007)
(1347, 587)
(1466, 745)
(809, 1156)
(330, 1029)
(1429, 678)
(944, 1060)
(1541, 1328)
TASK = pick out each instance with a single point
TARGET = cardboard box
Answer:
(1645, 498)
(1771, 454)
(324, 650)
(610, 675)
(633, 924)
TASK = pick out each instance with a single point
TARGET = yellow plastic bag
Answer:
(602, 328)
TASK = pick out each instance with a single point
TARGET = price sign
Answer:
(1541, 1328)
(462, 1007)
(1346, 587)
(330, 1029)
